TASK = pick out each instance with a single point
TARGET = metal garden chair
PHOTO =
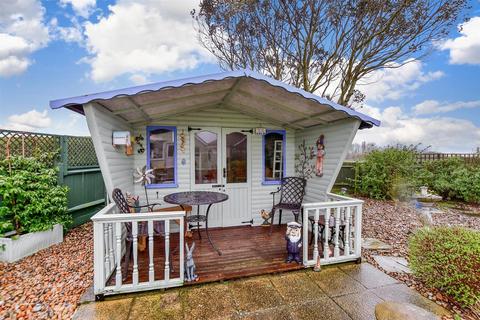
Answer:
(292, 191)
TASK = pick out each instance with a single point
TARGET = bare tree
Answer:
(323, 46)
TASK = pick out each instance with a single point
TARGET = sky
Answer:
(61, 48)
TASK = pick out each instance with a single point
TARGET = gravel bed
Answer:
(49, 284)
(393, 223)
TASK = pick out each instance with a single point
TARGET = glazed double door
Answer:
(221, 161)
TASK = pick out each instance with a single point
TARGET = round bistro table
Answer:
(198, 198)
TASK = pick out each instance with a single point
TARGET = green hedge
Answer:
(394, 173)
(448, 258)
(32, 199)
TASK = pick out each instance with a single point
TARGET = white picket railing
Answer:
(109, 248)
(342, 218)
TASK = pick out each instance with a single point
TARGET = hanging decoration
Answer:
(182, 141)
(320, 156)
(139, 140)
(144, 176)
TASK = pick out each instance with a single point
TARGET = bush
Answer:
(387, 174)
(32, 200)
(448, 259)
(452, 178)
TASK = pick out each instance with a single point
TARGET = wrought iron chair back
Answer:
(292, 191)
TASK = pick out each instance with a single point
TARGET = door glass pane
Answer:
(236, 149)
(206, 157)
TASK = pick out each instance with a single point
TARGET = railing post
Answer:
(315, 234)
(151, 270)
(135, 253)
(167, 251)
(326, 229)
(118, 237)
(98, 260)
(346, 247)
(336, 249)
(305, 236)
(182, 245)
(358, 231)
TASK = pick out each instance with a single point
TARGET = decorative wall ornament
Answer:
(139, 140)
(304, 167)
(182, 141)
(320, 156)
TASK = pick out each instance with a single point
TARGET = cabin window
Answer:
(273, 156)
(162, 156)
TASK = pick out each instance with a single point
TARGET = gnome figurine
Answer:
(294, 242)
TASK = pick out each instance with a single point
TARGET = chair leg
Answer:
(126, 262)
(198, 223)
(271, 224)
(279, 217)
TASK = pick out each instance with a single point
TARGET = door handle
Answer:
(224, 172)
(217, 185)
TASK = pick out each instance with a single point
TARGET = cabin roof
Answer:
(245, 91)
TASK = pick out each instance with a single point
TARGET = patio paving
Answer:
(337, 292)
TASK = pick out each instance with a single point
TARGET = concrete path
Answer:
(340, 292)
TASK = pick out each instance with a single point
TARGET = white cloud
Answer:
(143, 37)
(22, 31)
(394, 83)
(67, 34)
(82, 8)
(29, 121)
(443, 134)
(434, 106)
(465, 49)
(138, 79)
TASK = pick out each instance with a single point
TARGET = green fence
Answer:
(77, 163)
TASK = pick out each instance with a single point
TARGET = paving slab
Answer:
(368, 275)
(106, 310)
(255, 294)
(323, 308)
(278, 313)
(359, 306)
(295, 287)
(375, 244)
(389, 310)
(160, 306)
(393, 264)
(401, 293)
(334, 282)
(212, 301)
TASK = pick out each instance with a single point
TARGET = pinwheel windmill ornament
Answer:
(144, 176)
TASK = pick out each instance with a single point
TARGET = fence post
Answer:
(63, 164)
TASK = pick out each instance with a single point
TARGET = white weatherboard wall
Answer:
(338, 139)
(219, 118)
(116, 167)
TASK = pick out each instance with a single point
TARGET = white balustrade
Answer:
(110, 248)
(340, 240)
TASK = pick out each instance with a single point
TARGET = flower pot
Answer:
(14, 249)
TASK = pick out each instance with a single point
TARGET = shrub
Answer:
(448, 258)
(32, 200)
(387, 174)
(452, 178)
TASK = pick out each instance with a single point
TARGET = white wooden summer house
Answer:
(237, 133)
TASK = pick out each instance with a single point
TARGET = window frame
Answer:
(149, 129)
(283, 132)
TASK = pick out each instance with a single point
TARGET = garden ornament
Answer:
(190, 264)
(294, 243)
(265, 216)
(144, 177)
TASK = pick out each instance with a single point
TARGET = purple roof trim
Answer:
(75, 103)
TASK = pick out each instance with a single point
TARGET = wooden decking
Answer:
(246, 251)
